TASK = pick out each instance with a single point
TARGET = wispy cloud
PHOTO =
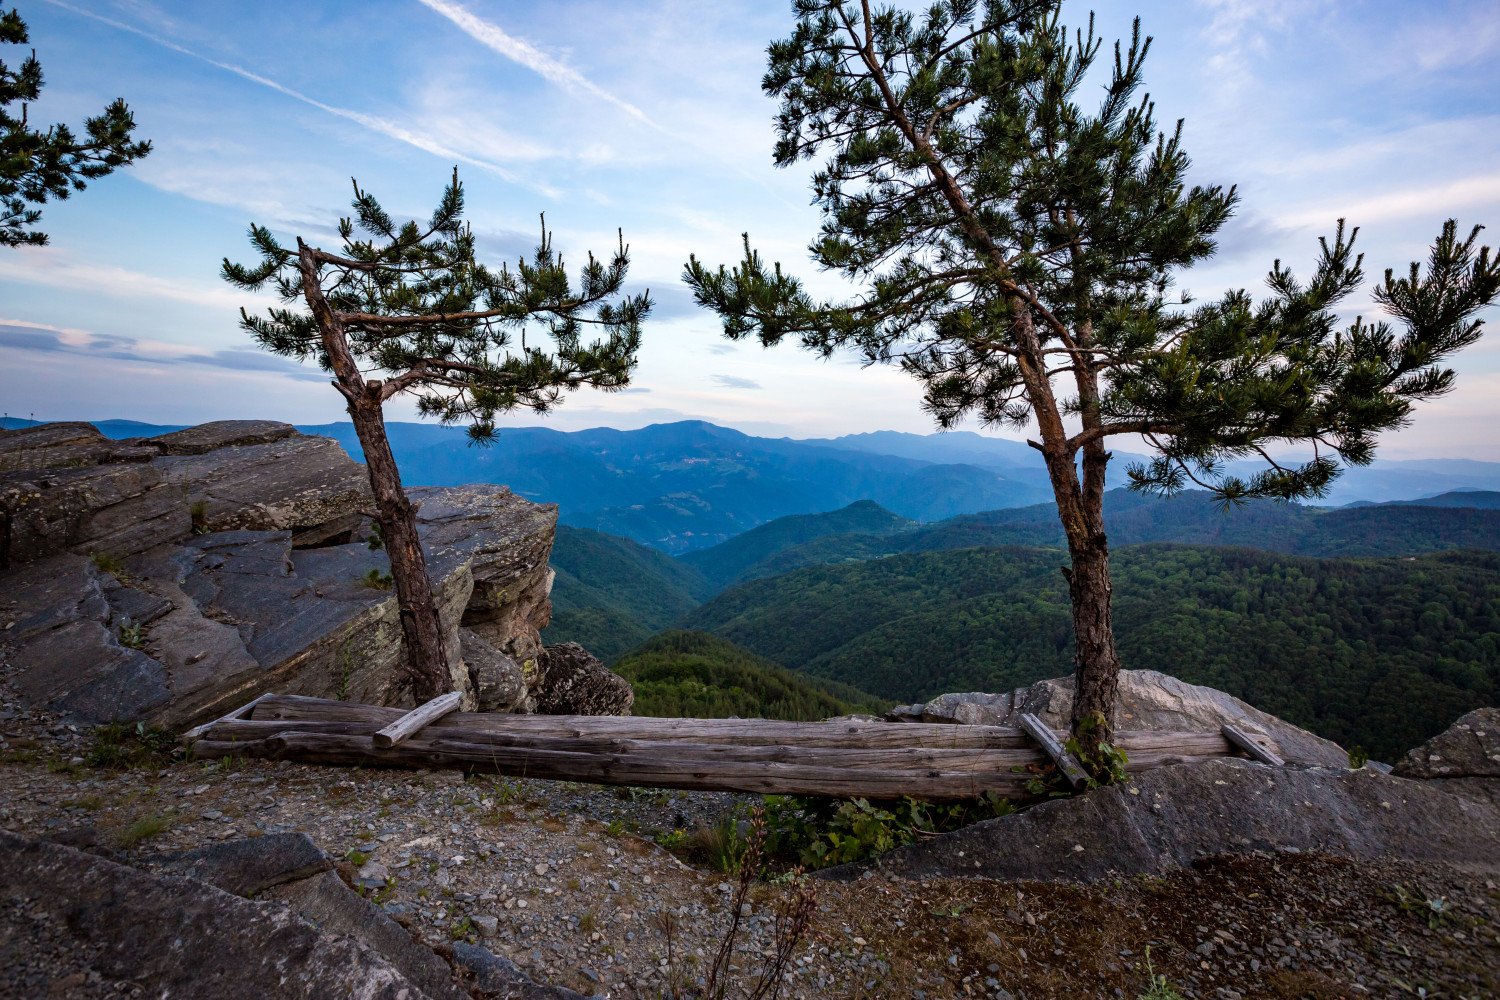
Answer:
(394, 130)
(19, 335)
(736, 382)
(1437, 201)
(521, 52)
(54, 268)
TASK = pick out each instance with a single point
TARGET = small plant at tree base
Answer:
(1158, 988)
(375, 541)
(377, 580)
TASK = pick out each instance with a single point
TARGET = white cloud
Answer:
(55, 268)
(1436, 202)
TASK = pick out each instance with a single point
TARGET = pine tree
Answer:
(412, 302)
(36, 165)
(1016, 252)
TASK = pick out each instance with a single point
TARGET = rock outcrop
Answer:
(1170, 817)
(1148, 700)
(575, 682)
(79, 925)
(171, 579)
(1463, 758)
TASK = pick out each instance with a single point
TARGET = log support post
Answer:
(1065, 761)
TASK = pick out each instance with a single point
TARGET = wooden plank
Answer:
(727, 770)
(243, 712)
(291, 708)
(418, 719)
(1242, 740)
(1066, 762)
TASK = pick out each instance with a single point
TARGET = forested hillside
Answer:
(1193, 517)
(728, 562)
(696, 675)
(1378, 653)
(611, 593)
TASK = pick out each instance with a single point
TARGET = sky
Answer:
(648, 117)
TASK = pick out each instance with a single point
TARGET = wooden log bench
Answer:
(843, 758)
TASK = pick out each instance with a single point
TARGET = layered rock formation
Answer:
(171, 579)
(1148, 700)
(1463, 758)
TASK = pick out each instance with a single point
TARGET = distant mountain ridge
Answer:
(1191, 518)
(685, 486)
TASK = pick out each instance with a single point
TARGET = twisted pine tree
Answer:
(35, 165)
(1015, 252)
(410, 302)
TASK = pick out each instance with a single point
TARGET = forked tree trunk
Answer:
(421, 627)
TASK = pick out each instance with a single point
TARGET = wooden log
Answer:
(1242, 740)
(418, 719)
(749, 731)
(725, 771)
(243, 712)
(1065, 761)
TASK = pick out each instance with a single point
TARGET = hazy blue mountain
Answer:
(691, 484)
(1481, 499)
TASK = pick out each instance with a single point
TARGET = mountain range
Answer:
(685, 486)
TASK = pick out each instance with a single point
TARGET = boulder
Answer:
(1463, 758)
(235, 562)
(1170, 817)
(1149, 700)
(575, 682)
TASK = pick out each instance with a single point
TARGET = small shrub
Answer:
(375, 539)
(376, 580)
(463, 929)
(144, 829)
(818, 833)
(121, 745)
(132, 636)
(198, 512)
(356, 857)
(104, 562)
(1358, 758)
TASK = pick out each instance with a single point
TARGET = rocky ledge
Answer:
(171, 579)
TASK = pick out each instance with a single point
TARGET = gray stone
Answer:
(1149, 700)
(575, 682)
(1169, 817)
(249, 867)
(170, 936)
(498, 681)
(1470, 748)
(334, 908)
(492, 977)
(220, 434)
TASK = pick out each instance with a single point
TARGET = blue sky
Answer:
(648, 116)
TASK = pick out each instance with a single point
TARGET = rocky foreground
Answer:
(568, 883)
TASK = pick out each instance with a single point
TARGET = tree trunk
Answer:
(421, 628)
(1096, 664)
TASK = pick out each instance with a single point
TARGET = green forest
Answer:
(695, 675)
(1374, 653)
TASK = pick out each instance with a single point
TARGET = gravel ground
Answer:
(566, 881)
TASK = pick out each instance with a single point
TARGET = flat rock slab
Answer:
(1149, 700)
(250, 867)
(77, 925)
(1171, 817)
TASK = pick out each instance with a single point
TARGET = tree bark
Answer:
(426, 659)
(421, 627)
